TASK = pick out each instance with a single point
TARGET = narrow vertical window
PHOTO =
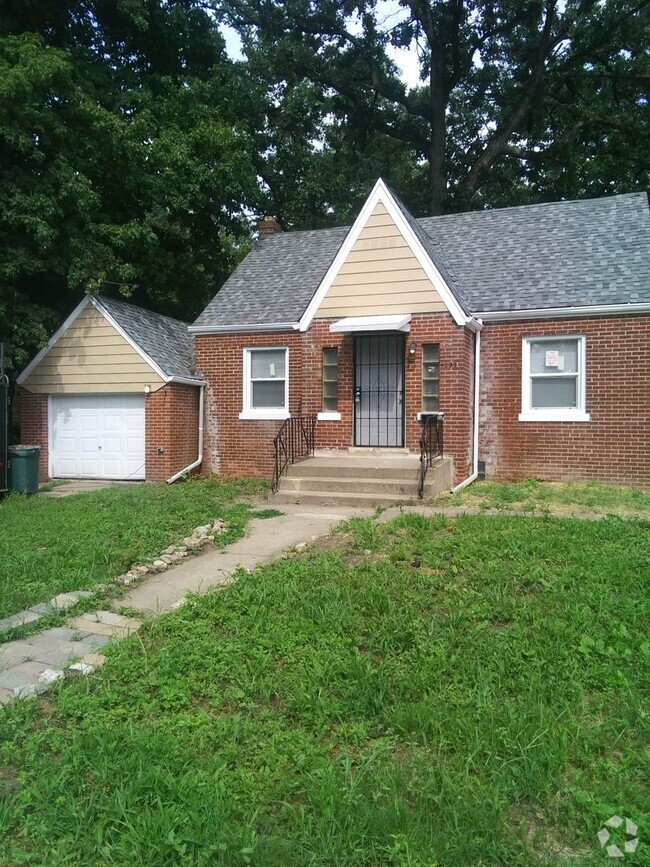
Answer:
(330, 379)
(430, 377)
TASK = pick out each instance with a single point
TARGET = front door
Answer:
(379, 390)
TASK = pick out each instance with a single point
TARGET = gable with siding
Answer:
(91, 357)
(380, 275)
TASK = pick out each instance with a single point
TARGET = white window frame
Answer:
(577, 413)
(248, 411)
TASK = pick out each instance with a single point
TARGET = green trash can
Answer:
(23, 468)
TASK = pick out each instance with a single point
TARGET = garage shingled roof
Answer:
(166, 341)
(560, 254)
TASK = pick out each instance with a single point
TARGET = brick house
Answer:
(520, 336)
(527, 327)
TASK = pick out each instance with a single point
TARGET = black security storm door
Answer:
(379, 390)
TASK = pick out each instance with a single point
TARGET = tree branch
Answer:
(500, 139)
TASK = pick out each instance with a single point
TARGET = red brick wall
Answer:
(329, 434)
(456, 387)
(34, 428)
(243, 446)
(234, 446)
(614, 446)
(171, 423)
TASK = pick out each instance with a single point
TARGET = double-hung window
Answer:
(553, 379)
(266, 383)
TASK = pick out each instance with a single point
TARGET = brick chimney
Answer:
(268, 226)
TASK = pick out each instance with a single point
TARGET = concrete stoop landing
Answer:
(363, 477)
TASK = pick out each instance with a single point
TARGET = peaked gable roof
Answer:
(164, 343)
(568, 254)
(382, 195)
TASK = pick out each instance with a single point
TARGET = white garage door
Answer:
(97, 436)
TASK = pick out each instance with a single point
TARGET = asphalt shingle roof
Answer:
(277, 279)
(165, 340)
(561, 254)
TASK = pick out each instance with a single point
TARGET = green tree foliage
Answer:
(133, 150)
(123, 167)
(517, 100)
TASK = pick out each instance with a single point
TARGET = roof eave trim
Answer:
(24, 374)
(186, 380)
(563, 312)
(381, 193)
(135, 346)
(248, 327)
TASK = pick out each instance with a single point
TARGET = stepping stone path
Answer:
(59, 603)
(30, 666)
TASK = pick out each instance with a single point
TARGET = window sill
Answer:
(264, 415)
(558, 415)
(429, 412)
(328, 416)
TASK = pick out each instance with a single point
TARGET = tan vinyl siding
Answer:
(380, 275)
(91, 357)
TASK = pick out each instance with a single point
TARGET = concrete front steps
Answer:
(362, 477)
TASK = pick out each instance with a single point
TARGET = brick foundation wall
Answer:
(243, 447)
(614, 446)
(171, 424)
(34, 427)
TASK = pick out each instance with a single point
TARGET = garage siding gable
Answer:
(91, 357)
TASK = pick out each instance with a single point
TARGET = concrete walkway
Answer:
(266, 539)
(29, 666)
(67, 487)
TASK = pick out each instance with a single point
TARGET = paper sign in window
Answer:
(552, 358)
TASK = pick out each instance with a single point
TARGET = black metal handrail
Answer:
(293, 442)
(431, 444)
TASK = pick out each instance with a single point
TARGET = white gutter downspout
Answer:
(199, 460)
(477, 371)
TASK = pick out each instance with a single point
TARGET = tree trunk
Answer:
(437, 146)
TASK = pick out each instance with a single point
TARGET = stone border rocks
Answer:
(174, 554)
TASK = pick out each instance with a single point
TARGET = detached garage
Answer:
(113, 395)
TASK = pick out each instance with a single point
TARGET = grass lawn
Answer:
(556, 498)
(48, 545)
(420, 692)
